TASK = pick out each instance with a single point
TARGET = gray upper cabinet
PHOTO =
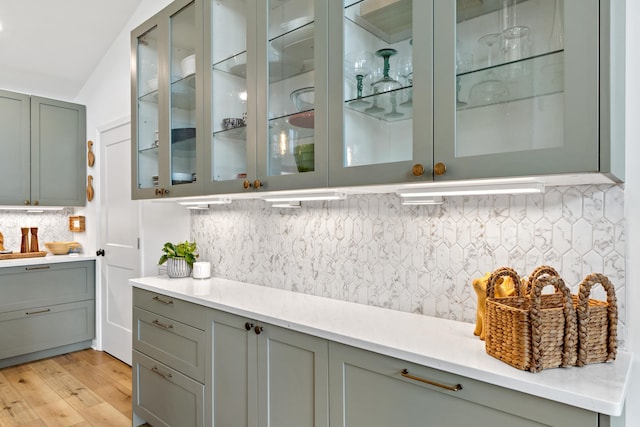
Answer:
(497, 89)
(266, 118)
(304, 94)
(376, 49)
(166, 94)
(523, 89)
(43, 144)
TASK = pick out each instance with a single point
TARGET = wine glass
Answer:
(405, 70)
(359, 65)
(491, 89)
(375, 75)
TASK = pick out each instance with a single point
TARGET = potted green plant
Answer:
(179, 258)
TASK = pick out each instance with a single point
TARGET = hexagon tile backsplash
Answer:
(52, 226)
(372, 250)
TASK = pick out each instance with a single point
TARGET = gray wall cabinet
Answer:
(46, 309)
(462, 97)
(166, 96)
(43, 157)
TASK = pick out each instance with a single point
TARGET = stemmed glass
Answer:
(359, 65)
(386, 84)
(491, 89)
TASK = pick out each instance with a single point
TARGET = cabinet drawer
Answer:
(172, 308)
(165, 397)
(27, 331)
(46, 284)
(172, 343)
(369, 389)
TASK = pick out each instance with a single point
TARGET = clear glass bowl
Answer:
(303, 98)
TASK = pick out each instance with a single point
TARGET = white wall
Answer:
(108, 99)
(632, 206)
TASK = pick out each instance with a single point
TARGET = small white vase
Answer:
(178, 267)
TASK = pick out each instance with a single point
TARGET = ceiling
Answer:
(51, 47)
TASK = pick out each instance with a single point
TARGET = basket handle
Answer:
(501, 272)
(583, 316)
(536, 323)
(538, 272)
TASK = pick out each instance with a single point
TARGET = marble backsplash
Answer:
(52, 226)
(370, 249)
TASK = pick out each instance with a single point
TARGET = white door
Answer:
(119, 231)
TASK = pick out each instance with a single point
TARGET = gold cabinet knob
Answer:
(158, 192)
(257, 184)
(439, 169)
(246, 184)
(36, 203)
(417, 170)
(27, 203)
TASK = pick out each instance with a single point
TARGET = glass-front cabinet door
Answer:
(167, 103)
(268, 102)
(516, 87)
(292, 86)
(231, 92)
(380, 91)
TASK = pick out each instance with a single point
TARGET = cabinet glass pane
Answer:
(509, 76)
(147, 138)
(229, 90)
(378, 71)
(183, 96)
(291, 87)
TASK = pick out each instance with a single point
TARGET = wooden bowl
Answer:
(59, 248)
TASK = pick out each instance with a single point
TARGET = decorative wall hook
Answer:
(91, 158)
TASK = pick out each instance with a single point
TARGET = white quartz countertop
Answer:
(429, 341)
(47, 259)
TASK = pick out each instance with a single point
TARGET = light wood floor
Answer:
(84, 388)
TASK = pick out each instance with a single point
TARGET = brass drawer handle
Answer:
(42, 267)
(164, 301)
(157, 371)
(405, 373)
(46, 310)
(162, 325)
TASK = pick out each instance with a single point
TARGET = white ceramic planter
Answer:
(178, 267)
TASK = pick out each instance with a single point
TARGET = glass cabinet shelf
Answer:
(512, 81)
(238, 133)
(381, 106)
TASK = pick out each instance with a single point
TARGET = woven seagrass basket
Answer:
(531, 332)
(597, 320)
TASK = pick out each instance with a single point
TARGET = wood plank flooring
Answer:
(83, 388)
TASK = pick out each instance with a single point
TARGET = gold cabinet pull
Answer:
(162, 325)
(42, 267)
(157, 371)
(405, 373)
(439, 169)
(27, 202)
(257, 184)
(417, 170)
(246, 184)
(164, 301)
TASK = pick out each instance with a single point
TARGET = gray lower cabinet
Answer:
(369, 389)
(46, 309)
(264, 375)
(168, 360)
(195, 366)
